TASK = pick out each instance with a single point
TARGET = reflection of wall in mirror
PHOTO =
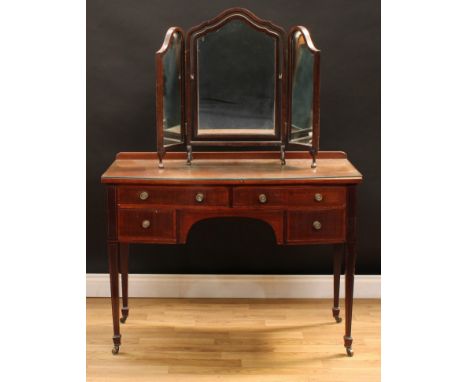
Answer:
(171, 102)
(302, 91)
(236, 78)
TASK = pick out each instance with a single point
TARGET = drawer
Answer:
(189, 196)
(289, 196)
(319, 226)
(152, 225)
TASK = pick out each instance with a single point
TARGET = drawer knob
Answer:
(199, 197)
(317, 225)
(262, 198)
(144, 195)
(318, 197)
(145, 223)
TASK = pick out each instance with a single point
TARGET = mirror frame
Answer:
(284, 66)
(159, 59)
(315, 107)
(191, 82)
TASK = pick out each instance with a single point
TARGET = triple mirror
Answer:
(237, 80)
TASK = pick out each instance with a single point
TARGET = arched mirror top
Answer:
(174, 35)
(245, 15)
(300, 35)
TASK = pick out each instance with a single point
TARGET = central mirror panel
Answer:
(236, 81)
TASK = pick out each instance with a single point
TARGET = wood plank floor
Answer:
(232, 340)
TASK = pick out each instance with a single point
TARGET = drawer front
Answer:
(147, 225)
(289, 196)
(188, 196)
(320, 226)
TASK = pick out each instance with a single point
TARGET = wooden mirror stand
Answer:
(238, 81)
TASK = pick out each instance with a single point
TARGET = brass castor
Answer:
(123, 319)
(338, 319)
(350, 352)
(115, 349)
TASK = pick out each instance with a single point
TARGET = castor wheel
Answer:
(115, 349)
(350, 352)
(123, 319)
(338, 319)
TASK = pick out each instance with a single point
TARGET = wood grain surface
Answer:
(234, 171)
(233, 340)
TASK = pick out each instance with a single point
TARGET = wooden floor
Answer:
(232, 340)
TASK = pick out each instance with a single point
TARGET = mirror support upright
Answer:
(189, 155)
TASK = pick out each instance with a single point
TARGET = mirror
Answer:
(238, 81)
(172, 85)
(302, 90)
(236, 74)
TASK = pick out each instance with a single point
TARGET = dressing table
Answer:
(237, 127)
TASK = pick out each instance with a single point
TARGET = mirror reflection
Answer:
(236, 81)
(302, 91)
(172, 92)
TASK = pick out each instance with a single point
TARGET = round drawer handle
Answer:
(144, 195)
(145, 223)
(262, 198)
(199, 197)
(318, 197)
(317, 225)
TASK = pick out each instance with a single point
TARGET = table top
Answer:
(332, 167)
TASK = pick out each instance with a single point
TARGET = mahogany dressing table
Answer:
(238, 82)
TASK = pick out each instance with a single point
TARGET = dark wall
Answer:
(122, 37)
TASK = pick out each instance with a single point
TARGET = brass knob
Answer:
(262, 198)
(144, 195)
(145, 223)
(199, 197)
(317, 225)
(318, 197)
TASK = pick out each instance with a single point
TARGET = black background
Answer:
(122, 36)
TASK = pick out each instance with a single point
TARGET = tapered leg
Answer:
(350, 266)
(113, 255)
(123, 265)
(337, 260)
